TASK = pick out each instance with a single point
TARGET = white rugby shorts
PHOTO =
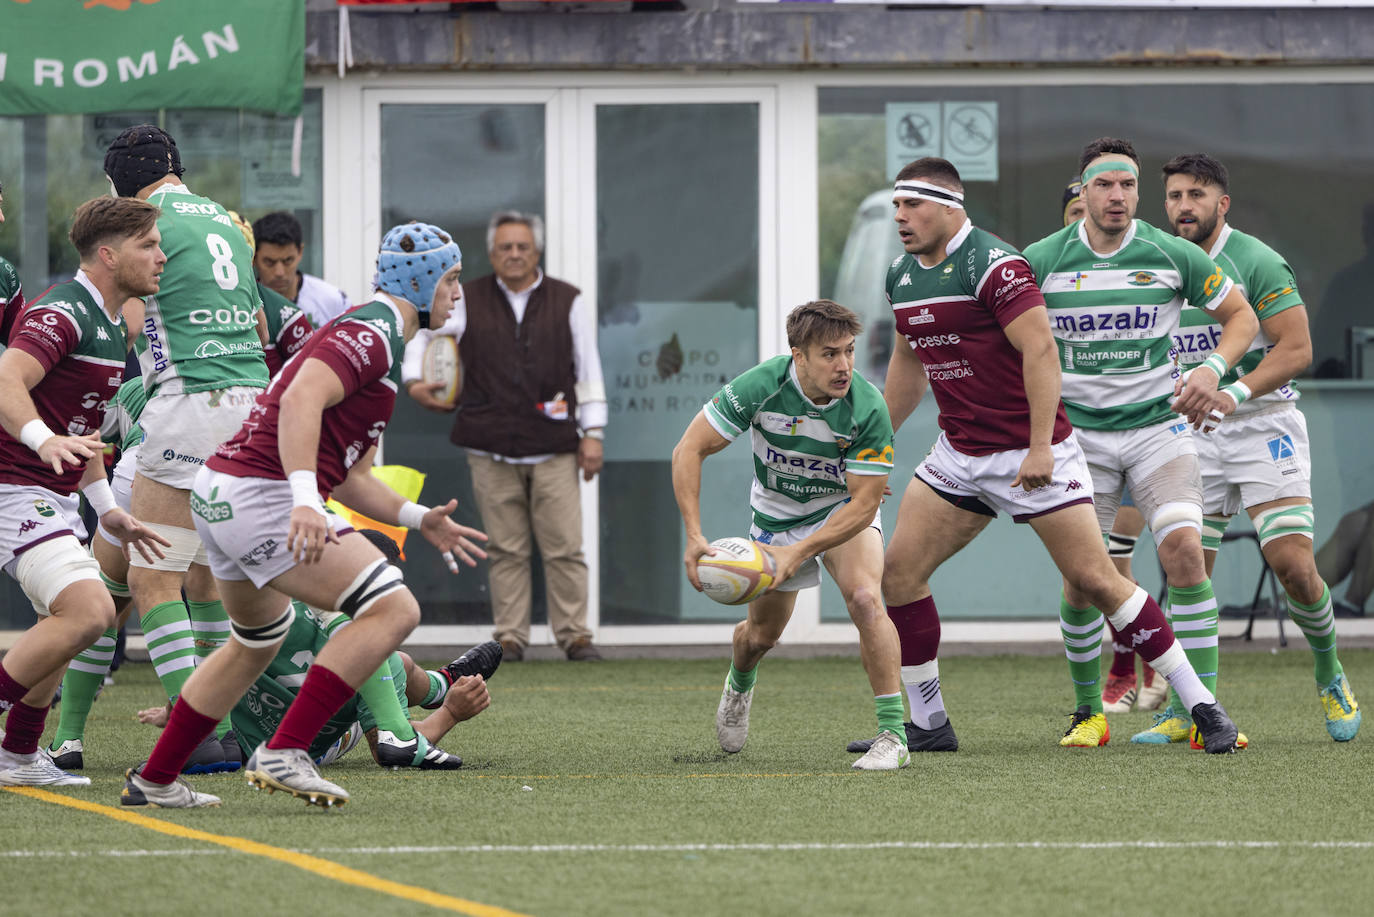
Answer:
(182, 430)
(1255, 458)
(988, 478)
(809, 571)
(243, 523)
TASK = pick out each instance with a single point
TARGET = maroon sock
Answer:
(24, 728)
(1123, 657)
(320, 698)
(918, 629)
(11, 691)
(1150, 632)
(186, 728)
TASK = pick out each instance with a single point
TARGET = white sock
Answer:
(923, 693)
(1174, 666)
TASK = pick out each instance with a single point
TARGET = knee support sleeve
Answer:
(376, 580)
(265, 635)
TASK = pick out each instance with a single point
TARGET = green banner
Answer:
(70, 57)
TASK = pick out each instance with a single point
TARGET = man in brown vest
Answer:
(531, 415)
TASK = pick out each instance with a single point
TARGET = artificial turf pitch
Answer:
(598, 789)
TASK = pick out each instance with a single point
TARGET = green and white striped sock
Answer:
(1081, 629)
(85, 674)
(171, 645)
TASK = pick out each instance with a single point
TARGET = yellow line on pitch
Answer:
(319, 866)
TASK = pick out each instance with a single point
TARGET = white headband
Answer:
(914, 189)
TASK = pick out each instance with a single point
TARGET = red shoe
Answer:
(1119, 694)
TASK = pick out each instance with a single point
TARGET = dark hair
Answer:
(390, 550)
(109, 219)
(1204, 168)
(1104, 145)
(820, 320)
(935, 170)
(279, 228)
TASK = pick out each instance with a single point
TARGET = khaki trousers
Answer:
(525, 505)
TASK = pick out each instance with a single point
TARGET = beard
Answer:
(136, 282)
(1196, 232)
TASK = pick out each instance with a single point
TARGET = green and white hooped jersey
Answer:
(1114, 316)
(200, 329)
(802, 450)
(1269, 286)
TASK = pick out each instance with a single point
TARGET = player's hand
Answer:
(697, 548)
(1196, 394)
(1037, 469)
(310, 531)
(589, 457)
(467, 697)
(134, 534)
(75, 451)
(454, 541)
(786, 558)
(425, 394)
(155, 716)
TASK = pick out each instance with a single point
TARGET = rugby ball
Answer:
(736, 572)
(441, 365)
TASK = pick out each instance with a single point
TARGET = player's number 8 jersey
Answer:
(200, 330)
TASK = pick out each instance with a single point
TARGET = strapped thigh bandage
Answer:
(1279, 521)
(375, 580)
(48, 567)
(185, 549)
(265, 635)
(1213, 527)
(1172, 516)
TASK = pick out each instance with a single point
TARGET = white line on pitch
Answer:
(728, 848)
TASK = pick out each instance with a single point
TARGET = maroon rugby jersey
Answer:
(82, 352)
(953, 316)
(363, 347)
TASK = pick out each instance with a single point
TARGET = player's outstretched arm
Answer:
(371, 496)
(906, 381)
(865, 496)
(119, 523)
(698, 441)
(19, 373)
(1030, 334)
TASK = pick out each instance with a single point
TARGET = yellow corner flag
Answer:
(405, 481)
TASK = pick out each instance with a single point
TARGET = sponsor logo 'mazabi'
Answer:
(803, 463)
(1125, 319)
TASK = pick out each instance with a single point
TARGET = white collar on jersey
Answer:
(1126, 238)
(1221, 241)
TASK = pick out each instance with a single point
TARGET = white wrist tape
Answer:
(35, 433)
(305, 490)
(1217, 364)
(99, 495)
(411, 515)
(1239, 392)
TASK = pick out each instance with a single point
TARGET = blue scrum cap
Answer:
(413, 258)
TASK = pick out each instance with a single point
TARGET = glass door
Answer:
(683, 263)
